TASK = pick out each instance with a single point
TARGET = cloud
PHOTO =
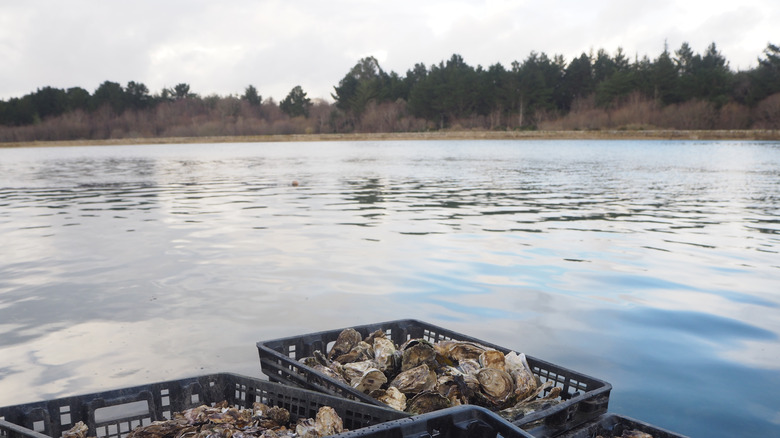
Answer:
(221, 47)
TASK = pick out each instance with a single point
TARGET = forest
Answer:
(681, 90)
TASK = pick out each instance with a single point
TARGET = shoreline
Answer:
(754, 135)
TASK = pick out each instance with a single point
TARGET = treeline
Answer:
(679, 90)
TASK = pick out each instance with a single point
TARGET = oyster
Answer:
(79, 430)
(373, 336)
(497, 385)
(460, 350)
(305, 428)
(384, 353)
(327, 422)
(346, 341)
(492, 359)
(355, 370)
(416, 352)
(525, 381)
(391, 397)
(371, 380)
(415, 380)
(360, 352)
(427, 401)
(330, 373)
(532, 404)
(469, 366)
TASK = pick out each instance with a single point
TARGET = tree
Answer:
(182, 91)
(78, 98)
(360, 86)
(714, 78)
(296, 103)
(577, 81)
(49, 102)
(664, 79)
(137, 95)
(111, 94)
(251, 96)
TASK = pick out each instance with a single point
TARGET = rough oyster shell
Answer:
(391, 397)
(330, 373)
(427, 401)
(371, 380)
(492, 359)
(360, 352)
(384, 354)
(355, 370)
(417, 353)
(496, 385)
(345, 342)
(460, 350)
(525, 381)
(328, 422)
(415, 380)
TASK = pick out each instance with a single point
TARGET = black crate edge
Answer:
(456, 422)
(586, 397)
(609, 423)
(113, 413)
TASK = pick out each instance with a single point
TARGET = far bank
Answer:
(756, 135)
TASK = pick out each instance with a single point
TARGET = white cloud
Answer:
(223, 47)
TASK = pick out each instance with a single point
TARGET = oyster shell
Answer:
(306, 428)
(360, 352)
(427, 401)
(345, 342)
(416, 353)
(374, 335)
(384, 353)
(79, 430)
(496, 385)
(525, 381)
(532, 404)
(391, 397)
(469, 366)
(460, 350)
(355, 370)
(330, 373)
(327, 422)
(371, 380)
(415, 380)
(492, 359)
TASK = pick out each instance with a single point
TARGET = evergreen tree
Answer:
(664, 79)
(251, 96)
(296, 103)
(110, 94)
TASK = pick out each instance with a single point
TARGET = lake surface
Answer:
(652, 265)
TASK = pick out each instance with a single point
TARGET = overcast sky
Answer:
(220, 47)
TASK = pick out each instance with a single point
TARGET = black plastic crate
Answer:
(615, 425)
(457, 422)
(583, 397)
(113, 414)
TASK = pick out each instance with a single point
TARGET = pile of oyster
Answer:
(420, 376)
(224, 421)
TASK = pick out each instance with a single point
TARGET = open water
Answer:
(652, 265)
